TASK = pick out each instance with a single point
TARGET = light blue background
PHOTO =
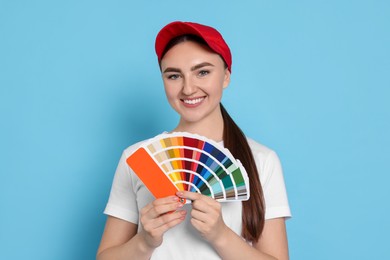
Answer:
(80, 82)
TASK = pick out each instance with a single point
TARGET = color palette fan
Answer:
(183, 161)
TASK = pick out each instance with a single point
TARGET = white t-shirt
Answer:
(129, 195)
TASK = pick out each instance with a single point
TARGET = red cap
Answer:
(210, 35)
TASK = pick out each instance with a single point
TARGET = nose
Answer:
(188, 86)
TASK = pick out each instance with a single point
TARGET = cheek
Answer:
(170, 92)
(218, 87)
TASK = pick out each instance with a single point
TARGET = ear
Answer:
(226, 79)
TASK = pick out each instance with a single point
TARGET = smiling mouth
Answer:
(193, 101)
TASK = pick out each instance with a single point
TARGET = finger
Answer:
(207, 205)
(166, 200)
(161, 201)
(164, 222)
(193, 196)
(205, 212)
(157, 207)
(167, 218)
(200, 216)
(207, 231)
(202, 227)
(199, 225)
(209, 200)
(154, 234)
(174, 221)
(189, 195)
(158, 210)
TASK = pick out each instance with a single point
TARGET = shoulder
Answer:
(259, 150)
(266, 158)
(130, 149)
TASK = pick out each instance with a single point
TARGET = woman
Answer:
(195, 63)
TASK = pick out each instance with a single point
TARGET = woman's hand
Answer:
(158, 217)
(206, 216)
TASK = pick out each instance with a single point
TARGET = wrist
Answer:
(144, 246)
(222, 238)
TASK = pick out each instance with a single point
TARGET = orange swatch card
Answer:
(151, 174)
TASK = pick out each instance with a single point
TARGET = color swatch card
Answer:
(183, 161)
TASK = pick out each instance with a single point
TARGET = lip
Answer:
(193, 102)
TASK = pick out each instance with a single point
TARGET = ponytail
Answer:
(252, 210)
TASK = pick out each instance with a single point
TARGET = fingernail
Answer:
(183, 212)
(179, 205)
(179, 193)
(175, 198)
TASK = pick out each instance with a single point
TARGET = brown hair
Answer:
(253, 209)
(234, 139)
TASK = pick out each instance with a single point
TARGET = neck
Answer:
(211, 128)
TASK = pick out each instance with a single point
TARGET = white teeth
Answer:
(193, 101)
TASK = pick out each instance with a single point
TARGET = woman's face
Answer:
(194, 78)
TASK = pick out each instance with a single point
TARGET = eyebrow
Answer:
(198, 66)
(169, 69)
(201, 65)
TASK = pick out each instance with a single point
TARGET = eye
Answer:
(173, 76)
(203, 73)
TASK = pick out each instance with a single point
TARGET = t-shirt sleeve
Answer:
(122, 201)
(274, 189)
